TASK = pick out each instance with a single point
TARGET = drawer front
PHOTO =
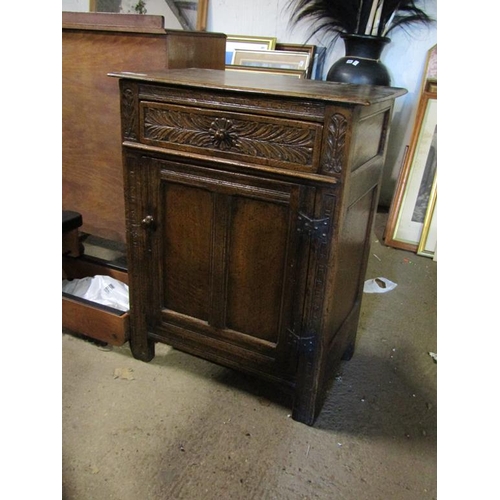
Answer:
(241, 137)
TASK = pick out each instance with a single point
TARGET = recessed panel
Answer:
(369, 137)
(257, 245)
(351, 252)
(187, 247)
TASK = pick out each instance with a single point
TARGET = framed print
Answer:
(295, 73)
(296, 47)
(428, 240)
(431, 65)
(201, 15)
(234, 42)
(191, 15)
(277, 59)
(414, 187)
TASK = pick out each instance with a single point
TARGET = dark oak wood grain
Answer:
(263, 215)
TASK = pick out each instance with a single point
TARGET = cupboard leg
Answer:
(349, 351)
(142, 349)
(303, 414)
(305, 403)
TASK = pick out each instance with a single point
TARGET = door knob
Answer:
(148, 223)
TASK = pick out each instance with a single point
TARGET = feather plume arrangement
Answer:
(362, 17)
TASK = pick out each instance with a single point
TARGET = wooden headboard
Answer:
(93, 45)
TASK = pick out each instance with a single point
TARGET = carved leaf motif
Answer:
(274, 141)
(337, 130)
(177, 127)
(128, 114)
(266, 140)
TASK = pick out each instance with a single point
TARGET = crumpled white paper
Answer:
(101, 289)
(378, 285)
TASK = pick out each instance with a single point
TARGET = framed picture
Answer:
(431, 65)
(191, 15)
(294, 73)
(234, 42)
(412, 208)
(414, 187)
(296, 47)
(277, 59)
(428, 240)
(201, 15)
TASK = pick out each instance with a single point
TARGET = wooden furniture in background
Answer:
(88, 318)
(92, 176)
(93, 44)
(80, 315)
(71, 223)
(250, 201)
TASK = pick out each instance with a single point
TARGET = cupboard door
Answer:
(229, 279)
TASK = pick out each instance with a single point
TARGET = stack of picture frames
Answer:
(412, 221)
(261, 54)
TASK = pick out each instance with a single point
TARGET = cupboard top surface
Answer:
(363, 95)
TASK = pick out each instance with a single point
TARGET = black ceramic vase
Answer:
(361, 63)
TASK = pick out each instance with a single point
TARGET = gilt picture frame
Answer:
(242, 42)
(411, 213)
(296, 47)
(294, 73)
(415, 182)
(202, 15)
(428, 240)
(277, 59)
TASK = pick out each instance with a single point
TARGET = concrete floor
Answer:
(183, 428)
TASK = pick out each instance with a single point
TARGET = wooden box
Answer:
(93, 320)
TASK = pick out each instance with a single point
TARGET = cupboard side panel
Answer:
(350, 265)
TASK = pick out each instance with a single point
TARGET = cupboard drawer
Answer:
(260, 140)
(90, 319)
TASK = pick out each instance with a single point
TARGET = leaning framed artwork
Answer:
(412, 222)
(278, 59)
(234, 42)
(415, 183)
(295, 73)
(295, 47)
(428, 240)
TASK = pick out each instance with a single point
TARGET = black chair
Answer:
(71, 222)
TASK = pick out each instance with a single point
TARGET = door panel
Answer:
(230, 262)
(187, 249)
(257, 246)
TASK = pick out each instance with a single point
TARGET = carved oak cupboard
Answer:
(249, 207)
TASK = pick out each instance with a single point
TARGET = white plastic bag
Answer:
(379, 285)
(101, 289)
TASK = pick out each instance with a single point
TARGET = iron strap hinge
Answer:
(316, 228)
